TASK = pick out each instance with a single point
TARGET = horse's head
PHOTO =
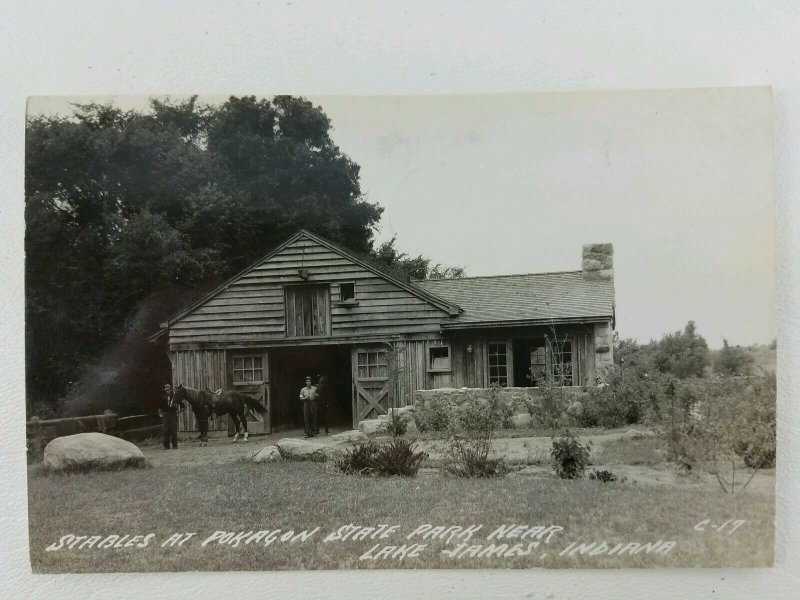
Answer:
(179, 392)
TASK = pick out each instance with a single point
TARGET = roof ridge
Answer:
(496, 276)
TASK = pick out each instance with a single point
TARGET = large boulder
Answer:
(373, 426)
(267, 454)
(353, 436)
(301, 449)
(91, 451)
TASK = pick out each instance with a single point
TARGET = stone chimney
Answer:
(598, 261)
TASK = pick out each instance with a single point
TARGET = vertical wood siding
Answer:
(412, 368)
(308, 310)
(199, 369)
(469, 358)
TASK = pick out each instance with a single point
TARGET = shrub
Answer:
(549, 408)
(731, 421)
(467, 452)
(358, 460)
(733, 360)
(397, 426)
(479, 416)
(432, 417)
(617, 403)
(469, 457)
(602, 476)
(399, 457)
(507, 418)
(570, 457)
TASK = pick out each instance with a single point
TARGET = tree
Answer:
(733, 360)
(124, 205)
(630, 354)
(417, 267)
(683, 353)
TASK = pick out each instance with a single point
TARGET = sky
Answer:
(680, 181)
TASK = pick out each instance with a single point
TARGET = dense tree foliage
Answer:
(733, 360)
(121, 205)
(683, 353)
(416, 267)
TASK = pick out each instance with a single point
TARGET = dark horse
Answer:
(202, 403)
(233, 403)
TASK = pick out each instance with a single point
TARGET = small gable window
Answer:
(347, 292)
(439, 358)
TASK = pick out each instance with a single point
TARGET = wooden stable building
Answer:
(312, 308)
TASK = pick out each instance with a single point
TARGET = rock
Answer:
(383, 418)
(590, 264)
(90, 451)
(598, 275)
(267, 454)
(373, 426)
(411, 428)
(335, 452)
(301, 449)
(521, 420)
(404, 414)
(354, 436)
(599, 249)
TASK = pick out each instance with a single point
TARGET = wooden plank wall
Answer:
(468, 367)
(199, 369)
(252, 308)
(412, 359)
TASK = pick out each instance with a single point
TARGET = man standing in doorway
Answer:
(308, 396)
(170, 407)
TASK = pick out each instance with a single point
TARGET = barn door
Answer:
(371, 395)
(256, 423)
(250, 375)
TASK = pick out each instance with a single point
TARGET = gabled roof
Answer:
(382, 271)
(516, 299)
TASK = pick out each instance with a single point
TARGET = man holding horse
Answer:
(170, 407)
(308, 396)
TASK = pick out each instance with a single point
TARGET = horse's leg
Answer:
(243, 417)
(235, 418)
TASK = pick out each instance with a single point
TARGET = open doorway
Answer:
(538, 360)
(288, 369)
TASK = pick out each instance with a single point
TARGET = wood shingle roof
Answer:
(516, 299)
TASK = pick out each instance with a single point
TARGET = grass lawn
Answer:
(235, 495)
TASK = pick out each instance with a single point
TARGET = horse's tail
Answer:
(253, 404)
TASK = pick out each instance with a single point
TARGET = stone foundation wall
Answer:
(517, 402)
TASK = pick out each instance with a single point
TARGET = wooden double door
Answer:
(372, 393)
